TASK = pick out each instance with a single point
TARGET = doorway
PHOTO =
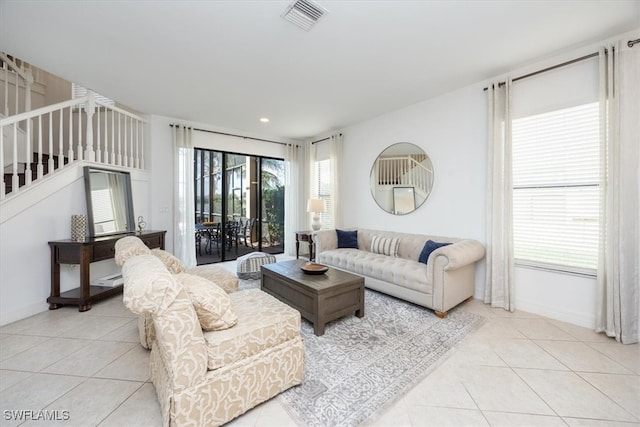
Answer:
(239, 205)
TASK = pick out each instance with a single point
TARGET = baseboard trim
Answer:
(22, 313)
(557, 313)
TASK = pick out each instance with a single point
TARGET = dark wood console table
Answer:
(305, 236)
(84, 253)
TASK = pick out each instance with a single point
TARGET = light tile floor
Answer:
(518, 369)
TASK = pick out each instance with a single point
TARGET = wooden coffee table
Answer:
(319, 298)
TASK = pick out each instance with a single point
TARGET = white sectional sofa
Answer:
(444, 281)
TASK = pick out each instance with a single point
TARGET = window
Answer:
(78, 91)
(556, 168)
(322, 190)
(556, 175)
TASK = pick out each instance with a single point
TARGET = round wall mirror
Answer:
(401, 178)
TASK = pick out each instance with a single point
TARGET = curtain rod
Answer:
(323, 139)
(237, 136)
(553, 67)
(630, 43)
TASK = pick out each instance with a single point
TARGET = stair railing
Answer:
(404, 171)
(9, 67)
(79, 129)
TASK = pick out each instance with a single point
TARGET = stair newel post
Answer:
(40, 167)
(98, 147)
(89, 109)
(50, 163)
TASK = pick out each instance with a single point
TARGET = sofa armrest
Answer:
(459, 254)
(462, 253)
(325, 240)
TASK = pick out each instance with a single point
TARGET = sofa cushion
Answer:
(173, 264)
(429, 247)
(347, 239)
(403, 272)
(216, 274)
(385, 245)
(212, 303)
(276, 323)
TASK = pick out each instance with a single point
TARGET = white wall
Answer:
(25, 258)
(451, 129)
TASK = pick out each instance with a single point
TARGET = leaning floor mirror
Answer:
(401, 178)
(109, 201)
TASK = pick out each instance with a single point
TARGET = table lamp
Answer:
(316, 206)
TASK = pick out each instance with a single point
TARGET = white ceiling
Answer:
(228, 63)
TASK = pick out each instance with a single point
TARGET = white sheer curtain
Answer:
(335, 154)
(499, 258)
(618, 277)
(295, 195)
(184, 243)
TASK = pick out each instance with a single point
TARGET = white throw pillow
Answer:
(385, 245)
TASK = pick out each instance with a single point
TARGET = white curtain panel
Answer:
(618, 276)
(184, 241)
(335, 154)
(310, 192)
(295, 195)
(499, 258)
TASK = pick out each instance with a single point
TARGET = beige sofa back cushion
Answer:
(410, 244)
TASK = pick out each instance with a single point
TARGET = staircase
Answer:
(37, 143)
(406, 171)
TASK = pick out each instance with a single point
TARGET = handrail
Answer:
(65, 132)
(42, 110)
(14, 66)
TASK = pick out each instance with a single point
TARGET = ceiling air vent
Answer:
(304, 14)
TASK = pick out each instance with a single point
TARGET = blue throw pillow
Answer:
(429, 247)
(347, 239)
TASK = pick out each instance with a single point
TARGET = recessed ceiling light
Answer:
(264, 120)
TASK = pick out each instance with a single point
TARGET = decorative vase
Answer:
(78, 227)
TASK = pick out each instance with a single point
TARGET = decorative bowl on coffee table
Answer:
(314, 268)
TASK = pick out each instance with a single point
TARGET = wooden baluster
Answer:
(28, 156)
(61, 140)
(50, 163)
(89, 108)
(79, 150)
(142, 146)
(125, 151)
(40, 167)
(106, 136)
(3, 190)
(15, 181)
(113, 138)
(70, 134)
(119, 139)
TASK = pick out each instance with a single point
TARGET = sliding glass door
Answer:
(239, 205)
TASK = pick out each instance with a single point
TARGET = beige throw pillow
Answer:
(211, 302)
(385, 245)
(173, 264)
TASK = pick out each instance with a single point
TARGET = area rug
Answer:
(361, 365)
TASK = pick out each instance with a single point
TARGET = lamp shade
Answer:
(316, 205)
